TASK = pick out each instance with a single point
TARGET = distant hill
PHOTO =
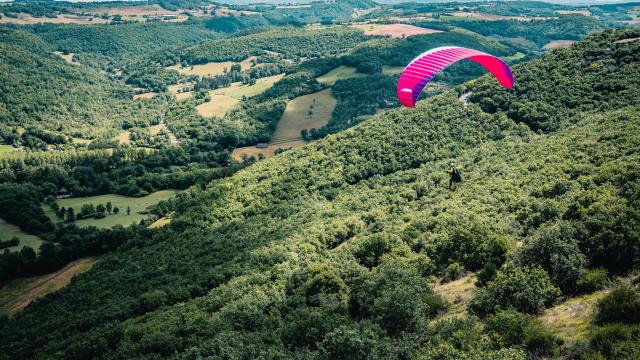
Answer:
(327, 251)
(38, 88)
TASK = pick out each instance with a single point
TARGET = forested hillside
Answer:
(331, 251)
(40, 89)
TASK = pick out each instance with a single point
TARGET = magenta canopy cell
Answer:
(428, 64)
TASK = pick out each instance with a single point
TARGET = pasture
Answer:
(392, 70)
(237, 92)
(212, 68)
(138, 206)
(8, 231)
(558, 44)
(6, 149)
(249, 151)
(573, 319)
(305, 112)
(19, 293)
(217, 106)
(339, 73)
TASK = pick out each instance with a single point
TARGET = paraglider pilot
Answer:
(454, 175)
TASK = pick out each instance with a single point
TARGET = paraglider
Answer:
(427, 65)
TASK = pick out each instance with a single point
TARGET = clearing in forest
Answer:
(19, 293)
(147, 95)
(339, 73)
(311, 111)
(557, 44)
(392, 70)
(217, 106)
(395, 30)
(8, 231)
(212, 68)
(138, 207)
(458, 293)
(67, 57)
(259, 87)
(573, 319)
(249, 151)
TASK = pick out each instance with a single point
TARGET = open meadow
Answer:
(311, 111)
(9, 231)
(138, 207)
(218, 105)
(212, 68)
(339, 73)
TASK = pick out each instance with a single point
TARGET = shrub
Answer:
(350, 343)
(604, 339)
(525, 289)
(511, 328)
(488, 273)
(593, 280)
(453, 272)
(620, 305)
(557, 252)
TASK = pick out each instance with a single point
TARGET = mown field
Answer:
(137, 205)
(311, 111)
(8, 231)
(217, 106)
(251, 90)
(339, 73)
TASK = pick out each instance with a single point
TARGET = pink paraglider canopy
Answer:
(428, 64)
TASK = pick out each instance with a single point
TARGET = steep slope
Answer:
(326, 251)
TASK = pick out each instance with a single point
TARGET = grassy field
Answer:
(19, 293)
(573, 319)
(251, 90)
(341, 72)
(160, 223)
(137, 205)
(514, 57)
(296, 117)
(268, 152)
(217, 106)
(6, 149)
(68, 57)
(458, 293)
(212, 68)
(392, 70)
(557, 44)
(8, 231)
(368, 27)
(147, 95)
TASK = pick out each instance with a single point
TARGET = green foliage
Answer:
(612, 338)
(528, 290)
(42, 93)
(557, 252)
(249, 259)
(593, 280)
(288, 42)
(621, 305)
(511, 328)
